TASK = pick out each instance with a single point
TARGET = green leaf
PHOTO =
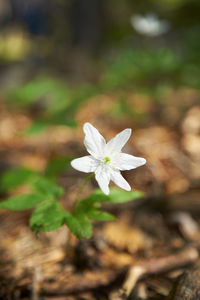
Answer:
(79, 225)
(16, 177)
(47, 216)
(47, 187)
(98, 215)
(121, 196)
(22, 202)
(86, 205)
(86, 226)
(90, 206)
(50, 216)
(115, 196)
(92, 201)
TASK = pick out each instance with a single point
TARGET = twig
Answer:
(34, 290)
(159, 265)
(84, 284)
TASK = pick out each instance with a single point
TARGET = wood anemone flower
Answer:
(106, 159)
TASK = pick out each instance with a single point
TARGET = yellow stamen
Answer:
(106, 159)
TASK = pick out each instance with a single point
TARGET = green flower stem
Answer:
(80, 190)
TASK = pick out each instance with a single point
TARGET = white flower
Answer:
(149, 25)
(106, 159)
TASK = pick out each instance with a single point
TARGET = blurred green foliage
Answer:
(191, 64)
(149, 70)
(56, 165)
(145, 67)
(22, 202)
(50, 101)
(13, 178)
(139, 68)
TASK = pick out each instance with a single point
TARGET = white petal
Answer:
(94, 141)
(117, 143)
(85, 164)
(128, 162)
(119, 180)
(102, 176)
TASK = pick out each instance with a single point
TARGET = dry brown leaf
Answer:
(124, 237)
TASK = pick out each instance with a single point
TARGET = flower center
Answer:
(106, 159)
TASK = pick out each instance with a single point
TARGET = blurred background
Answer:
(117, 64)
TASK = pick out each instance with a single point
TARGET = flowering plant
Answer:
(105, 161)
